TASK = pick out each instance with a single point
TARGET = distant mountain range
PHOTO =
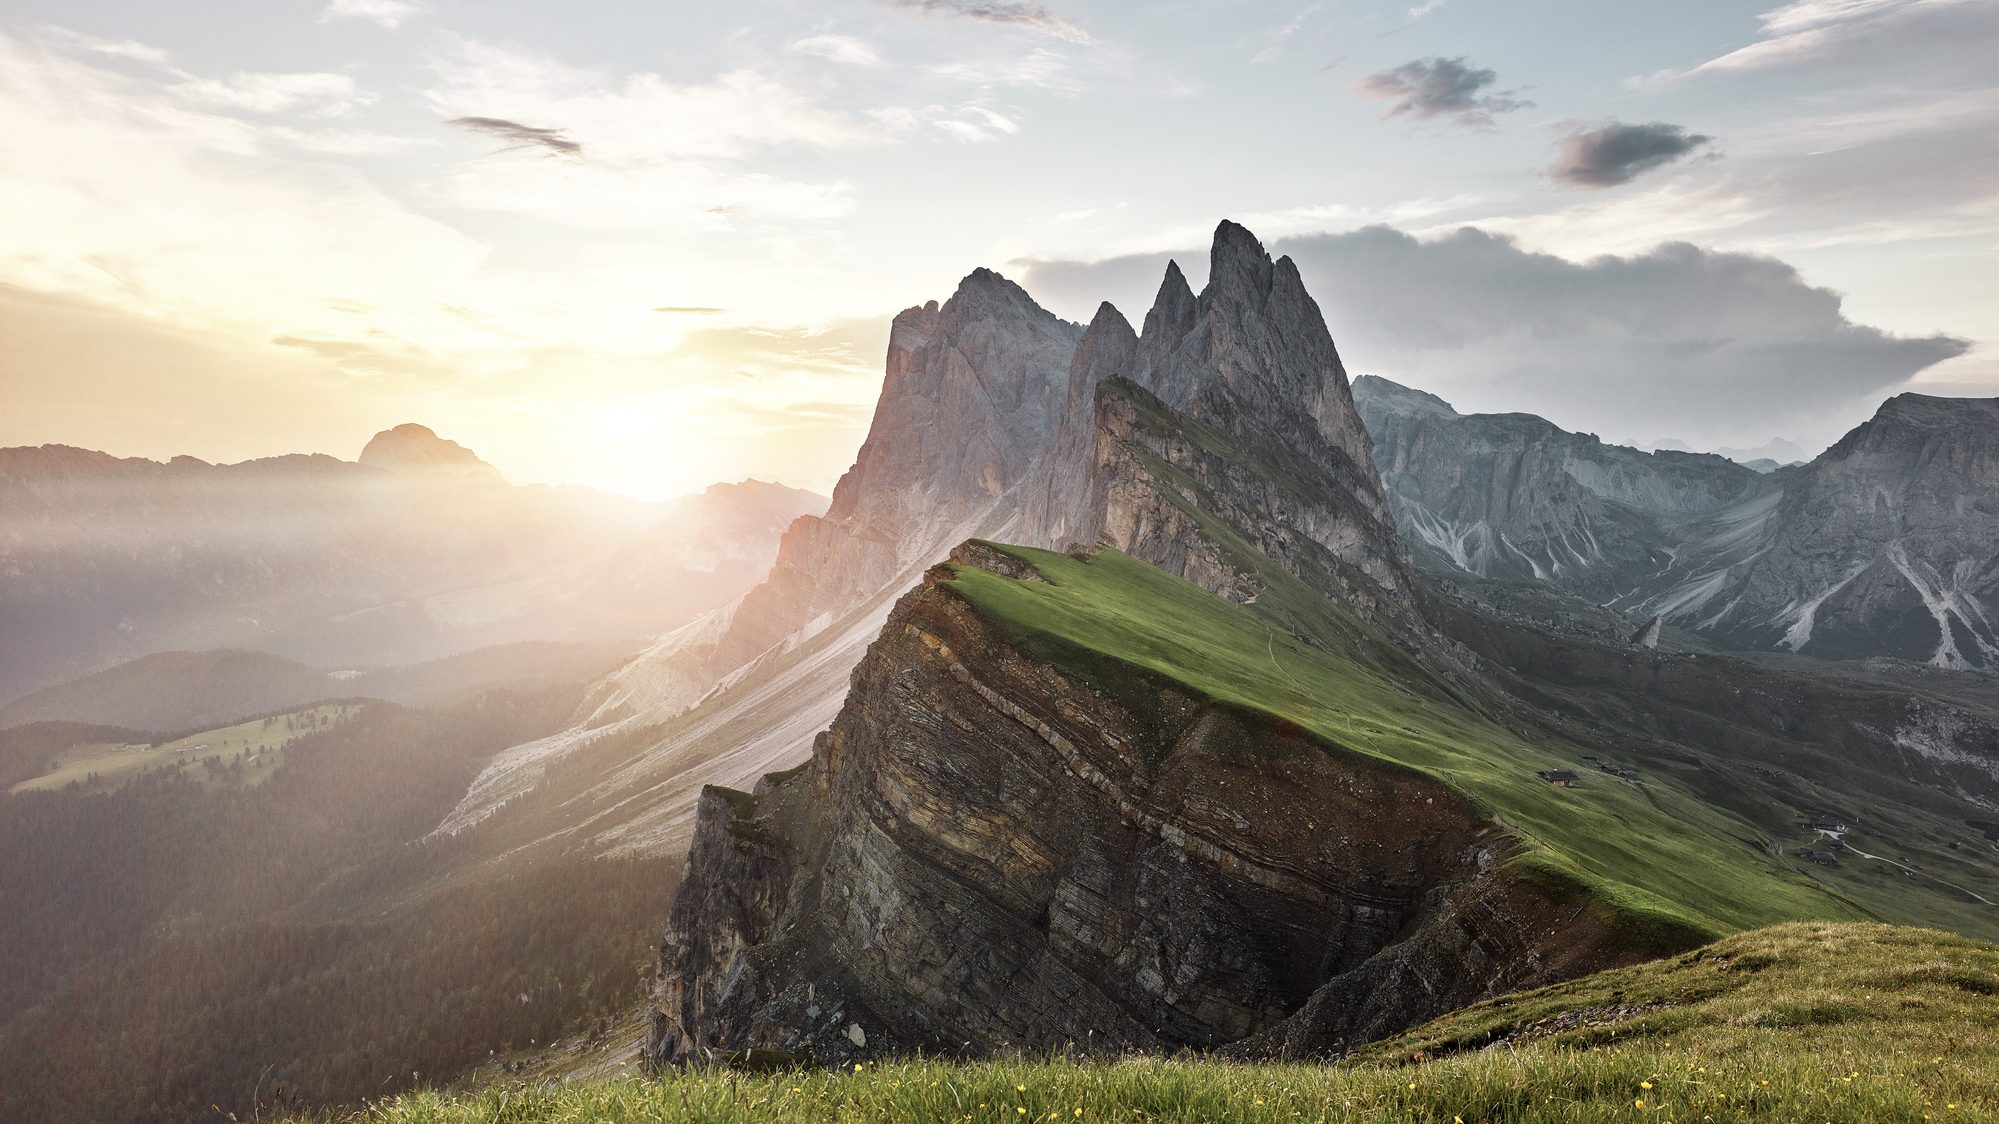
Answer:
(413, 552)
(1777, 451)
(1886, 544)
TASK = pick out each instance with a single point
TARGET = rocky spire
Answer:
(1058, 512)
(1251, 361)
(1173, 310)
(974, 392)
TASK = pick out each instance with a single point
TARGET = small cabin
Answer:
(1560, 778)
(1824, 822)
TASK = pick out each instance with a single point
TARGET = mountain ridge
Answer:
(1880, 546)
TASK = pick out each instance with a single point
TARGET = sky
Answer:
(648, 244)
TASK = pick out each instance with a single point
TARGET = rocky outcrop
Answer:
(971, 402)
(1514, 497)
(1224, 438)
(1884, 545)
(988, 854)
(1887, 544)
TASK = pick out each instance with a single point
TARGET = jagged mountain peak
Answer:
(986, 291)
(1237, 263)
(417, 448)
(1107, 314)
(1173, 309)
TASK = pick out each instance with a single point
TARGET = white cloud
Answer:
(1041, 68)
(837, 48)
(1921, 39)
(1275, 47)
(345, 142)
(316, 95)
(388, 14)
(972, 124)
(638, 117)
(130, 49)
(136, 200)
(653, 154)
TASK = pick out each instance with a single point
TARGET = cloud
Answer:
(517, 136)
(837, 48)
(131, 49)
(1283, 34)
(1614, 152)
(1040, 68)
(1425, 8)
(388, 14)
(972, 124)
(343, 142)
(317, 95)
(1708, 346)
(1007, 13)
(691, 309)
(665, 156)
(1451, 88)
(1927, 40)
(145, 197)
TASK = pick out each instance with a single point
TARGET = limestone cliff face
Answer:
(987, 854)
(1515, 497)
(1886, 544)
(973, 395)
(1235, 404)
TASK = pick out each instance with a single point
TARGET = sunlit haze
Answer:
(647, 246)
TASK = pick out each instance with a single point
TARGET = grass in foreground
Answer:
(1797, 1023)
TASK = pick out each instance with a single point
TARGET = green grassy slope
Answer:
(1661, 851)
(1799, 1022)
(257, 744)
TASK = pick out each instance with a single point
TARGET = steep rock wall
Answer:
(986, 854)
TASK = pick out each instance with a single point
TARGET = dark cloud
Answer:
(1715, 347)
(1452, 89)
(1012, 13)
(1614, 152)
(516, 135)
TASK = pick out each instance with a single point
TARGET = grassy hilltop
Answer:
(1662, 852)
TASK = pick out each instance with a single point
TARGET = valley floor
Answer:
(1798, 1022)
